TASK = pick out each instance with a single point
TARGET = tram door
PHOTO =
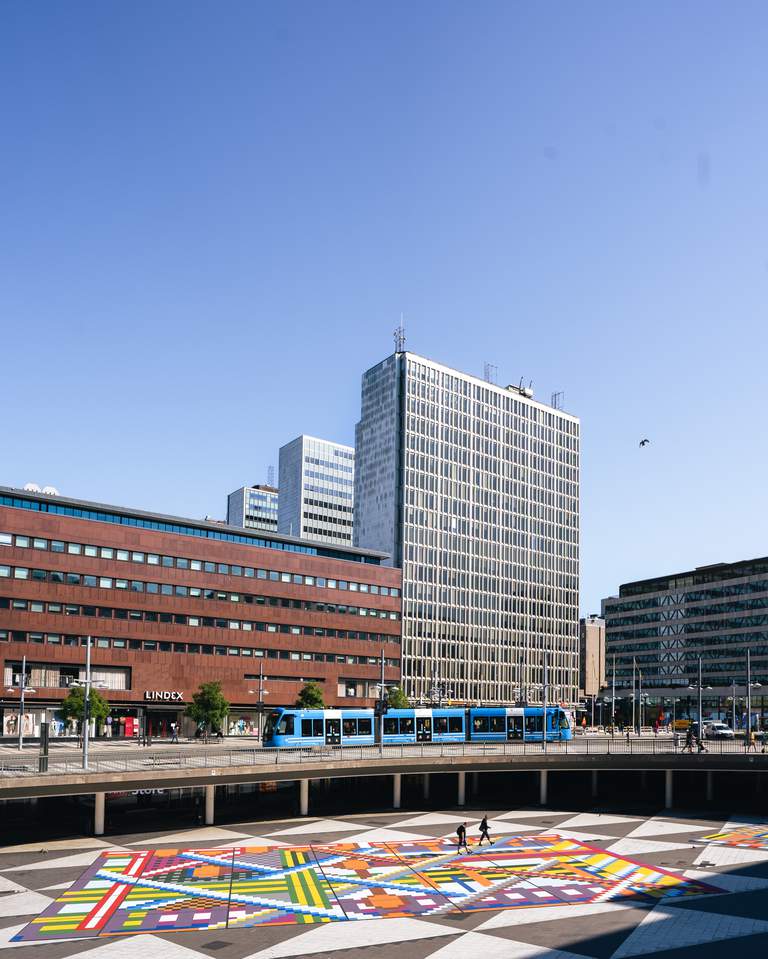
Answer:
(423, 729)
(332, 732)
(514, 727)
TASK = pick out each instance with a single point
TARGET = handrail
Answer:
(148, 761)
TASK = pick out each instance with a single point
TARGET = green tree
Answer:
(73, 706)
(310, 697)
(208, 708)
(397, 698)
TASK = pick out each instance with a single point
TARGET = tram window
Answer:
(317, 727)
(564, 724)
(533, 724)
(497, 724)
(285, 726)
(455, 724)
(441, 724)
(349, 727)
(364, 727)
(406, 725)
(480, 724)
(390, 726)
(515, 727)
(306, 727)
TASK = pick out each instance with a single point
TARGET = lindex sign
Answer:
(163, 696)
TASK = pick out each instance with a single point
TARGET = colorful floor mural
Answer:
(746, 837)
(166, 890)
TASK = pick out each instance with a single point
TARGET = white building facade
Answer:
(473, 489)
(253, 507)
(317, 486)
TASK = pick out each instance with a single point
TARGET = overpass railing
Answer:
(319, 756)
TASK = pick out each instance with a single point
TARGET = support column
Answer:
(594, 784)
(397, 779)
(710, 786)
(425, 785)
(304, 797)
(210, 796)
(475, 784)
(668, 792)
(543, 787)
(462, 798)
(98, 814)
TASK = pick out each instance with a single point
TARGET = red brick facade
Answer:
(178, 671)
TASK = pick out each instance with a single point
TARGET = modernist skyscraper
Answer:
(473, 489)
(317, 486)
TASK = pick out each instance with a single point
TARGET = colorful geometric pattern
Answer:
(746, 837)
(165, 890)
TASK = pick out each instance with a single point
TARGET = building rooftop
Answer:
(205, 529)
(714, 573)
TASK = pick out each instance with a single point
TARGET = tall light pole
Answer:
(261, 693)
(733, 705)
(88, 685)
(750, 686)
(634, 668)
(613, 698)
(23, 688)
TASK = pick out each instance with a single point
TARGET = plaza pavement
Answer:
(701, 926)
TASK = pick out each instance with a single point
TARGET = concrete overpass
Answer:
(52, 775)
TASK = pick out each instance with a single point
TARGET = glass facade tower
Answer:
(253, 507)
(473, 490)
(317, 486)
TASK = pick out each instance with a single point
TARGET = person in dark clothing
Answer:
(461, 832)
(484, 834)
(689, 739)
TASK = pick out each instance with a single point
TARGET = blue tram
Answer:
(290, 727)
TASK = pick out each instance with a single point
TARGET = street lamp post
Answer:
(634, 666)
(23, 689)
(261, 693)
(88, 685)
(750, 687)
(613, 698)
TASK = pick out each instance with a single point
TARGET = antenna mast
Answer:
(399, 336)
(490, 372)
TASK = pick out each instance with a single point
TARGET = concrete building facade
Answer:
(473, 490)
(317, 486)
(591, 656)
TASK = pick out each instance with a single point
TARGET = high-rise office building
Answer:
(317, 486)
(473, 490)
(253, 507)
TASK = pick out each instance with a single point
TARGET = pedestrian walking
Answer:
(461, 832)
(484, 834)
(174, 733)
(700, 745)
(688, 740)
(752, 740)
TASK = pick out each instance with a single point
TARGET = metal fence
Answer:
(149, 761)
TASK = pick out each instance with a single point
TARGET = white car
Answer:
(717, 731)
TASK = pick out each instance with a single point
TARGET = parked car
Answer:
(717, 730)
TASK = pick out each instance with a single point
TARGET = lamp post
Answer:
(613, 698)
(750, 687)
(634, 669)
(700, 687)
(23, 689)
(88, 685)
(261, 693)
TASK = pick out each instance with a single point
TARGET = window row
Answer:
(197, 565)
(205, 649)
(181, 619)
(194, 592)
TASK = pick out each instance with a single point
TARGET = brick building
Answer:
(170, 603)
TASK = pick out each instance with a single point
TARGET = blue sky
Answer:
(213, 215)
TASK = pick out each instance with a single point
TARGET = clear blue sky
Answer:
(212, 215)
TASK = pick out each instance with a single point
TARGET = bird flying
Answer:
(644, 442)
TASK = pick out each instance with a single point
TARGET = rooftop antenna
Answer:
(557, 400)
(399, 336)
(270, 476)
(490, 372)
